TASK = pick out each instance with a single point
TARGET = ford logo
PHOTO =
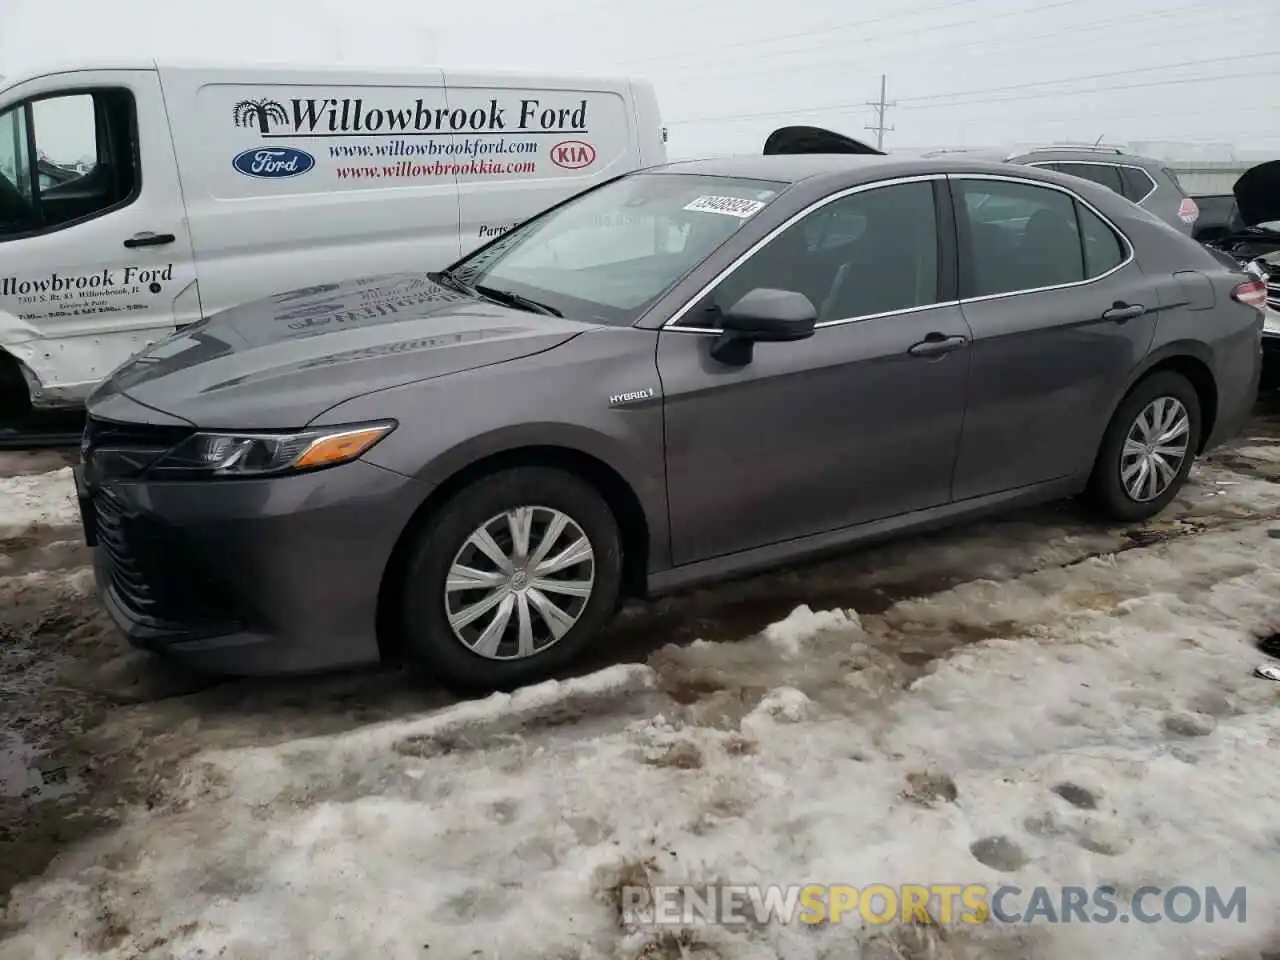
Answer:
(273, 163)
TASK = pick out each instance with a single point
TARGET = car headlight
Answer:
(248, 454)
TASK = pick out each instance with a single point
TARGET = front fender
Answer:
(560, 398)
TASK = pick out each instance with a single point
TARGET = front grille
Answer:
(154, 575)
(1273, 295)
(118, 451)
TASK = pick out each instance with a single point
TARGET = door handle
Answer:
(1120, 312)
(147, 239)
(936, 344)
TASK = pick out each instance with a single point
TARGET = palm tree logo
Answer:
(262, 112)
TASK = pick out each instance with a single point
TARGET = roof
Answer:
(792, 168)
(269, 67)
(1062, 154)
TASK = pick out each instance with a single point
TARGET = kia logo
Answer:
(273, 163)
(573, 154)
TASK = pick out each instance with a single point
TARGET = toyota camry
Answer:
(684, 373)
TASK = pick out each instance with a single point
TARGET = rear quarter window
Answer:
(1173, 178)
(1137, 183)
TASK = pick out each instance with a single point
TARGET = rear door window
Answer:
(1103, 173)
(1021, 237)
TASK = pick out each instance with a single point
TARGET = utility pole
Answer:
(880, 107)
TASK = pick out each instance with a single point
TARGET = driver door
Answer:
(97, 259)
(847, 427)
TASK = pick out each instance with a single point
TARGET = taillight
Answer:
(1252, 293)
(1188, 212)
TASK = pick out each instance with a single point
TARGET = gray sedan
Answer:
(688, 372)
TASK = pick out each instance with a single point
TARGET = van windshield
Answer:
(611, 253)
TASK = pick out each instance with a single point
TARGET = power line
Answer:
(914, 102)
(880, 107)
(826, 30)
(1095, 76)
(949, 43)
(1111, 89)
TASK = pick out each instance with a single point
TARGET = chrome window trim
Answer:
(833, 323)
(1130, 251)
(1128, 245)
(769, 237)
(1106, 163)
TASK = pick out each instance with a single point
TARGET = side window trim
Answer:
(33, 156)
(673, 322)
(1052, 165)
(135, 150)
(963, 213)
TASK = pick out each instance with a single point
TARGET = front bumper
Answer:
(250, 577)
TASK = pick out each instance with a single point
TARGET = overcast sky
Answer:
(963, 72)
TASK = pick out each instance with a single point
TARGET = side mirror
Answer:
(766, 316)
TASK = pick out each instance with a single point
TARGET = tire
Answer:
(15, 402)
(1107, 489)
(431, 642)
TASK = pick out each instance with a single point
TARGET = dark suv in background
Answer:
(1147, 182)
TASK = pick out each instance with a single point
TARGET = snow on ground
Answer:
(37, 499)
(1082, 725)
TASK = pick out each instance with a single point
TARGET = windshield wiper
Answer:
(507, 297)
(453, 280)
(517, 300)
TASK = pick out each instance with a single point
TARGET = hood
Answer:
(280, 362)
(814, 140)
(1257, 194)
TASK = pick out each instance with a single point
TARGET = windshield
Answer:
(608, 255)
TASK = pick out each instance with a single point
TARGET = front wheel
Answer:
(511, 579)
(1148, 449)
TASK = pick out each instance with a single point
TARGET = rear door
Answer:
(1061, 314)
(525, 144)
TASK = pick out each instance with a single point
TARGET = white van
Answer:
(139, 197)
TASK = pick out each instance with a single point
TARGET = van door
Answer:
(522, 147)
(95, 258)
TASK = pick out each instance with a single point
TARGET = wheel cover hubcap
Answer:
(1155, 448)
(519, 583)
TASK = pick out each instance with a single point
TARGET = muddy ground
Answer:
(90, 729)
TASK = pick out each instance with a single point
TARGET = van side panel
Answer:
(308, 177)
(653, 146)
(542, 139)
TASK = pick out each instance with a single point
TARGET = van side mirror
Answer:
(764, 315)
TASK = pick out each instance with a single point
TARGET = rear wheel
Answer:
(512, 579)
(1148, 449)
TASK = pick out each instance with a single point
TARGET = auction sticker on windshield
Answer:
(730, 206)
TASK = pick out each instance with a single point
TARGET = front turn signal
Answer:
(335, 448)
